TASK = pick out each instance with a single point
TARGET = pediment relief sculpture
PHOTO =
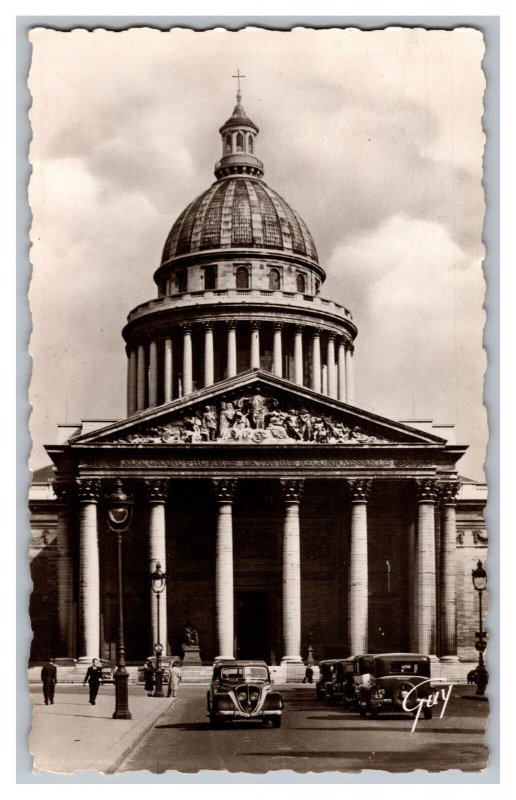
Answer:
(253, 419)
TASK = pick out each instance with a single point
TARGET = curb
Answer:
(114, 756)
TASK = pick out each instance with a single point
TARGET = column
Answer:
(448, 609)
(208, 354)
(65, 608)
(277, 351)
(412, 585)
(187, 359)
(232, 350)
(167, 371)
(358, 567)
(89, 573)
(341, 358)
(153, 374)
(350, 384)
(132, 382)
(332, 373)
(292, 491)
(255, 345)
(157, 491)
(141, 381)
(316, 362)
(425, 567)
(224, 492)
(298, 355)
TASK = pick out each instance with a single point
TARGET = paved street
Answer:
(314, 737)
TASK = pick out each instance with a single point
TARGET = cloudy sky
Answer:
(375, 138)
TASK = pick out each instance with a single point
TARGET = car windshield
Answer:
(238, 674)
(404, 668)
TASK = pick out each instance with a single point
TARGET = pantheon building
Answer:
(286, 516)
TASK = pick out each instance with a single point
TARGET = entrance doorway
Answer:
(253, 625)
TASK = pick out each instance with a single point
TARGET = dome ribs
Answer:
(210, 237)
(227, 220)
(195, 239)
(256, 217)
(285, 225)
(270, 220)
(242, 226)
(183, 242)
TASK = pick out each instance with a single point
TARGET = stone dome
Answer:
(235, 212)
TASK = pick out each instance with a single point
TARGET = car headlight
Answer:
(242, 697)
(255, 696)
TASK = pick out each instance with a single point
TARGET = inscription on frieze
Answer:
(193, 462)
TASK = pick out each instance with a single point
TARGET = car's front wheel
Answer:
(215, 721)
(276, 722)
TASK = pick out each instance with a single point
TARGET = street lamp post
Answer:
(119, 514)
(479, 577)
(158, 581)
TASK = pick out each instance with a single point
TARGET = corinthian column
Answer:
(132, 379)
(425, 567)
(342, 370)
(224, 492)
(153, 374)
(358, 567)
(448, 610)
(89, 574)
(316, 361)
(277, 354)
(208, 354)
(232, 350)
(298, 355)
(332, 375)
(292, 490)
(350, 381)
(64, 572)
(167, 371)
(255, 345)
(157, 491)
(141, 381)
(187, 360)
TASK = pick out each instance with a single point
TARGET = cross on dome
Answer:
(238, 76)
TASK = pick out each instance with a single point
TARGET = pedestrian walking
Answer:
(174, 680)
(309, 675)
(148, 677)
(93, 676)
(49, 680)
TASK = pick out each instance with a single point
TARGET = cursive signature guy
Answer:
(432, 699)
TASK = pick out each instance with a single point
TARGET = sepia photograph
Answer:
(258, 426)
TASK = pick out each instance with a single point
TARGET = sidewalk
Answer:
(72, 735)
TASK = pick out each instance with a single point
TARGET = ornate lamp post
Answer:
(479, 577)
(158, 581)
(119, 515)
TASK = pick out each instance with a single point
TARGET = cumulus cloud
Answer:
(374, 137)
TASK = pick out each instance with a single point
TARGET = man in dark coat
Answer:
(148, 676)
(93, 676)
(49, 680)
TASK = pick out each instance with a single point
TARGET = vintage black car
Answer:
(343, 686)
(242, 690)
(393, 676)
(326, 669)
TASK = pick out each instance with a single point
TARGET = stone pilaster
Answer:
(448, 604)
(224, 599)
(232, 350)
(66, 611)
(157, 491)
(292, 491)
(298, 355)
(358, 567)
(425, 567)
(277, 355)
(89, 573)
(208, 354)
(187, 360)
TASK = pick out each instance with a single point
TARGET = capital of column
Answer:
(88, 489)
(292, 490)
(208, 325)
(278, 326)
(350, 347)
(448, 492)
(255, 325)
(186, 327)
(332, 335)
(225, 489)
(157, 490)
(426, 490)
(360, 489)
(316, 333)
(231, 324)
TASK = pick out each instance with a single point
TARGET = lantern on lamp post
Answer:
(158, 582)
(119, 515)
(479, 577)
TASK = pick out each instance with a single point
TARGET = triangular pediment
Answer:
(257, 408)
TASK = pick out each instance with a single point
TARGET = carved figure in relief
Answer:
(209, 421)
(241, 426)
(227, 415)
(258, 409)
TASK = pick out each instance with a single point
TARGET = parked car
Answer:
(392, 677)
(344, 683)
(325, 675)
(243, 690)
(107, 675)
